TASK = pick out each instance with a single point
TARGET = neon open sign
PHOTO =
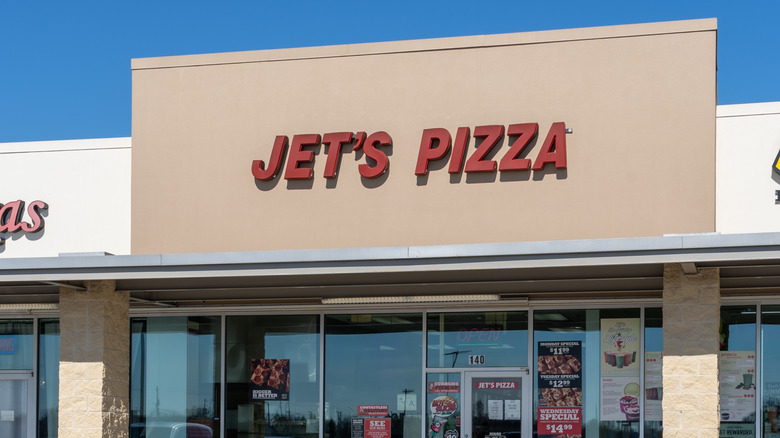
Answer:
(485, 335)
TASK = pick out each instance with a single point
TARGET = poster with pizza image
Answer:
(559, 379)
(270, 379)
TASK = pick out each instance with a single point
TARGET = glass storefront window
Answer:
(272, 376)
(654, 347)
(478, 339)
(770, 373)
(174, 374)
(48, 377)
(16, 344)
(373, 360)
(598, 350)
(737, 370)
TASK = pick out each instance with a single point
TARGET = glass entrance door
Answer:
(16, 405)
(494, 405)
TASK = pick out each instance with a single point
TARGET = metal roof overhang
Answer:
(603, 268)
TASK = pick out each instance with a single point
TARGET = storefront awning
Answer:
(750, 265)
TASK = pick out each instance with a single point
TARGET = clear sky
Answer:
(65, 64)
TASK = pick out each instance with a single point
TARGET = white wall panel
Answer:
(748, 140)
(86, 184)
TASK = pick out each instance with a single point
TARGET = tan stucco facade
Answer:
(640, 101)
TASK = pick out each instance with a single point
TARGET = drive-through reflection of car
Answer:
(169, 430)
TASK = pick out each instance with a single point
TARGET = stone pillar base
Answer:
(94, 362)
(691, 308)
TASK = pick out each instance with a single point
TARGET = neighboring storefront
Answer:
(65, 197)
(506, 236)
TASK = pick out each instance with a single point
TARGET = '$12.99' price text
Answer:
(558, 428)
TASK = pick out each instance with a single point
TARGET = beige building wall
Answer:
(640, 101)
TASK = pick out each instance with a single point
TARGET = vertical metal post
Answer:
(223, 374)
(422, 403)
(641, 372)
(528, 432)
(32, 393)
(759, 375)
(321, 375)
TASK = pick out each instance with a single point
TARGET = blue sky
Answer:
(65, 65)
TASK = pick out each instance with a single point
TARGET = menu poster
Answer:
(620, 398)
(737, 386)
(737, 430)
(559, 366)
(270, 379)
(620, 346)
(653, 385)
(376, 428)
(620, 390)
(560, 422)
(559, 371)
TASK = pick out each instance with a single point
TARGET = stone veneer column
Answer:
(94, 362)
(691, 308)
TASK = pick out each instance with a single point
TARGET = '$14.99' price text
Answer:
(558, 428)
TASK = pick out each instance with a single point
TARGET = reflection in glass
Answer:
(373, 359)
(174, 373)
(737, 368)
(443, 415)
(770, 357)
(16, 344)
(477, 339)
(14, 403)
(255, 405)
(48, 377)
(496, 409)
(585, 326)
(654, 347)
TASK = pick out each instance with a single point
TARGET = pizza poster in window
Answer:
(270, 379)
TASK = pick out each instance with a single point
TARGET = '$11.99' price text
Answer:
(558, 428)
(559, 350)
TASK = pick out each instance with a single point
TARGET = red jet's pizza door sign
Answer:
(437, 145)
